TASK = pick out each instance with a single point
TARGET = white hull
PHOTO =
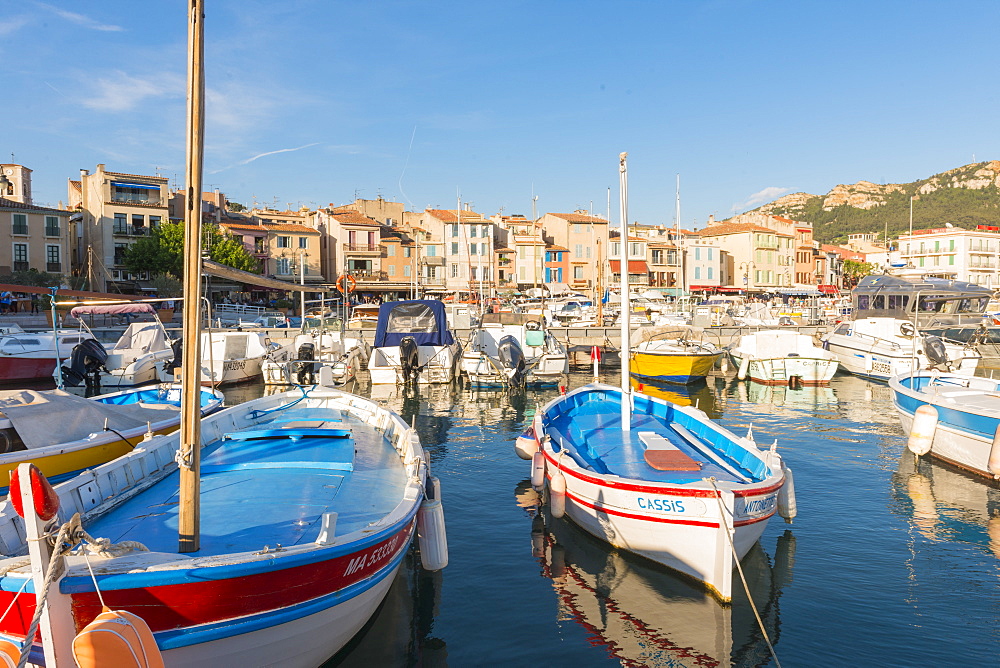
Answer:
(439, 364)
(810, 371)
(144, 369)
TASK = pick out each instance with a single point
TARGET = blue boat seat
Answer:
(534, 338)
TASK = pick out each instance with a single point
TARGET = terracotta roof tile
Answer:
(13, 204)
(722, 229)
(579, 218)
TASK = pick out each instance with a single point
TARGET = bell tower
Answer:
(15, 183)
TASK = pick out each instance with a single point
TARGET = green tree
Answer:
(163, 251)
(855, 270)
(235, 207)
(32, 277)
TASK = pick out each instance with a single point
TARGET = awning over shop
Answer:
(798, 292)
(433, 260)
(634, 267)
(245, 277)
(828, 289)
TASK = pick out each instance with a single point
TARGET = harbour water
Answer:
(890, 562)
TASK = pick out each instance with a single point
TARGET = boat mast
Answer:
(189, 512)
(626, 311)
(680, 250)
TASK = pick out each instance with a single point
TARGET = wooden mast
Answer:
(189, 513)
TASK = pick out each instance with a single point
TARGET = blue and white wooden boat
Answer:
(951, 417)
(309, 502)
(657, 479)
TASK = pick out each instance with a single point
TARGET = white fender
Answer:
(922, 430)
(557, 494)
(993, 464)
(741, 373)
(525, 446)
(431, 535)
(537, 469)
(786, 497)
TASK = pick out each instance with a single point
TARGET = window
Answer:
(697, 254)
(454, 230)
(138, 220)
(616, 248)
(578, 273)
(472, 249)
(283, 265)
(710, 257)
(430, 251)
(52, 261)
(697, 272)
(635, 250)
(20, 223)
(120, 253)
(522, 272)
(303, 242)
(392, 270)
(486, 231)
(154, 221)
(484, 249)
(284, 242)
(577, 228)
(408, 252)
(406, 270)
(454, 248)
(710, 272)
(578, 251)
(588, 252)
(390, 250)
(21, 257)
(657, 257)
(473, 231)
(454, 271)
(51, 226)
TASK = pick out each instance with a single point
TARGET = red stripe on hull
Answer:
(659, 489)
(177, 606)
(646, 518)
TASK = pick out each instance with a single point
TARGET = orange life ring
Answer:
(346, 283)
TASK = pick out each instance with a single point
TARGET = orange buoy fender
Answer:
(537, 469)
(116, 638)
(431, 535)
(10, 654)
(925, 420)
(557, 494)
(786, 497)
(993, 464)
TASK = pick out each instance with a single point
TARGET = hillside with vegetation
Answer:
(965, 197)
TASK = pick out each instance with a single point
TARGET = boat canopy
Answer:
(423, 319)
(946, 301)
(146, 336)
(112, 309)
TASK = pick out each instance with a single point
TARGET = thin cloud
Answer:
(263, 155)
(80, 19)
(12, 24)
(123, 92)
(761, 197)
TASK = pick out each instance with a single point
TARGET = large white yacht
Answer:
(891, 313)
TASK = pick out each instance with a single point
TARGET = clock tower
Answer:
(15, 183)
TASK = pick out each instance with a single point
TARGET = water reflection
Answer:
(699, 395)
(946, 505)
(642, 615)
(804, 396)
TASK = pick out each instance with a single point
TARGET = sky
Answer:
(316, 102)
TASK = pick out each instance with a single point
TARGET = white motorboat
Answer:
(230, 357)
(413, 344)
(545, 361)
(340, 354)
(951, 417)
(886, 337)
(782, 356)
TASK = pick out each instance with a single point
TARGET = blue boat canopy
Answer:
(423, 319)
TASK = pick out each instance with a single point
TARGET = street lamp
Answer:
(745, 268)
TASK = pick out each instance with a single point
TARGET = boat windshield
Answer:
(411, 318)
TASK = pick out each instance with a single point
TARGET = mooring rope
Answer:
(739, 568)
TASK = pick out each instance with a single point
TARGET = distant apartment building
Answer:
(968, 255)
(468, 247)
(39, 238)
(116, 210)
(635, 262)
(763, 259)
(704, 265)
(586, 239)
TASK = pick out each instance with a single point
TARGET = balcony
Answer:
(130, 231)
(53, 267)
(20, 265)
(19, 229)
(371, 276)
(52, 230)
(364, 248)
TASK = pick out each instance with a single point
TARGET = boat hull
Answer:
(967, 419)
(15, 369)
(677, 368)
(685, 525)
(778, 371)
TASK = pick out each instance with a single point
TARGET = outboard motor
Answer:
(178, 347)
(409, 358)
(936, 352)
(512, 359)
(85, 364)
(305, 368)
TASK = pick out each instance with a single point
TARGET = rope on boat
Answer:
(70, 535)
(739, 568)
(305, 389)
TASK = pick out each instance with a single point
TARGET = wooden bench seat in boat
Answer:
(663, 455)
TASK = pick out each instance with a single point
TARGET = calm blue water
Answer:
(888, 563)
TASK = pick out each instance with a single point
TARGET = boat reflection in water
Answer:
(946, 505)
(644, 615)
(699, 395)
(803, 396)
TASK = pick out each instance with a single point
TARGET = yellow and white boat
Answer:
(63, 433)
(672, 355)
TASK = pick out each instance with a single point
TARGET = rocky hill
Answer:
(965, 197)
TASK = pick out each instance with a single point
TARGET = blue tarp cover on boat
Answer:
(423, 319)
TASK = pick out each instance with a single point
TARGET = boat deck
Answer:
(273, 483)
(608, 449)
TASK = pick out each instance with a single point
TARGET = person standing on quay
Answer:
(34, 304)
